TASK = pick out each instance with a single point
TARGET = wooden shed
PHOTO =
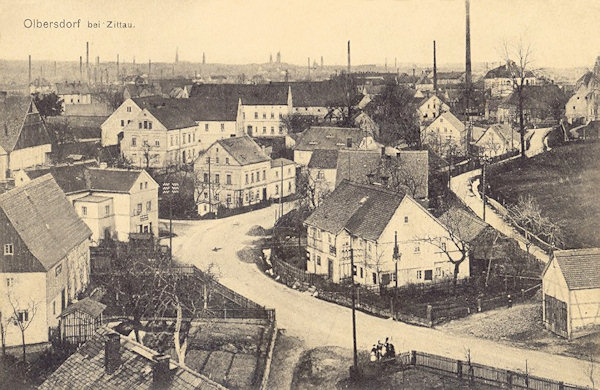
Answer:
(80, 320)
(571, 292)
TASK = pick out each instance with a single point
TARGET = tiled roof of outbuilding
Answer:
(580, 267)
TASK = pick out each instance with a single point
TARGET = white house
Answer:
(44, 259)
(430, 107)
(112, 128)
(366, 219)
(446, 132)
(584, 104)
(499, 139)
(74, 93)
(571, 292)
(113, 202)
(500, 81)
(24, 140)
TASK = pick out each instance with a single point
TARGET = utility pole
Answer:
(209, 188)
(170, 189)
(396, 256)
(484, 162)
(281, 193)
(355, 352)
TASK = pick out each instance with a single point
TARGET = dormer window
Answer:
(9, 250)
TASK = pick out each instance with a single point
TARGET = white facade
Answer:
(265, 120)
(115, 124)
(22, 159)
(431, 108)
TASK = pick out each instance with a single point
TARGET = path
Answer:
(537, 142)
(319, 323)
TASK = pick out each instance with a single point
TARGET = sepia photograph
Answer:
(299, 194)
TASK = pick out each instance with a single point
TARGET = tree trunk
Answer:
(180, 349)
(521, 124)
(3, 335)
(23, 341)
(455, 278)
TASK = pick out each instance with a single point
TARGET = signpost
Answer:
(170, 189)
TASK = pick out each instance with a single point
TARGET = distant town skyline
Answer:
(238, 32)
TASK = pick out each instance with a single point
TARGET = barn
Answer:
(571, 292)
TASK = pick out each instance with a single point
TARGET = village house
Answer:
(74, 93)
(235, 172)
(24, 140)
(45, 258)
(500, 81)
(109, 358)
(366, 219)
(113, 126)
(446, 133)
(583, 105)
(113, 202)
(541, 104)
(571, 292)
(429, 106)
(263, 106)
(320, 99)
(331, 138)
(498, 139)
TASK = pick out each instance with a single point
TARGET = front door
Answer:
(264, 194)
(330, 268)
(250, 131)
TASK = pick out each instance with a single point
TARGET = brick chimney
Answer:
(161, 374)
(112, 353)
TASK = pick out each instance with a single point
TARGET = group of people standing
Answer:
(382, 350)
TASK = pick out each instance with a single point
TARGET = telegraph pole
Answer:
(209, 189)
(281, 193)
(170, 189)
(355, 354)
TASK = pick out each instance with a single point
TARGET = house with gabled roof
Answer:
(331, 138)
(498, 139)
(112, 361)
(369, 219)
(571, 292)
(24, 139)
(429, 107)
(114, 203)
(236, 172)
(446, 132)
(74, 93)
(44, 258)
(501, 80)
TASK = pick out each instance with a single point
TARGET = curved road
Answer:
(319, 323)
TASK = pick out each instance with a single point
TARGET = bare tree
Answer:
(402, 176)
(590, 370)
(4, 322)
(22, 317)
(527, 213)
(311, 190)
(519, 71)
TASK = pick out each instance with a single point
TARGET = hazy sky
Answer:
(563, 33)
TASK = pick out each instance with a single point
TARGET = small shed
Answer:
(80, 320)
(571, 292)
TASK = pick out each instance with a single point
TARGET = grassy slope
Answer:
(565, 182)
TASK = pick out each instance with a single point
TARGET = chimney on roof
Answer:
(112, 353)
(348, 57)
(161, 374)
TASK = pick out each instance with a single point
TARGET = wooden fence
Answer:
(471, 372)
(290, 274)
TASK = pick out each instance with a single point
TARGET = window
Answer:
(252, 177)
(58, 270)
(22, 316)
(246, 178)
(354, 270)
(227, 160)
(417, 249)
(348, 142)
(156, 142)
(243, 115)
(276, 173)
(264, 115)
(189, 138)
(318, 260)
(171, 140)
(290, 186)
(222, 126)
(228, 179)
(83, 210)
(141, 186)
(280, 129)
(419, 274)
(217, 178)
(216, 160)
(255, 114)
(149, 125)
(106, 210)
(361, 272)
(443, 246)
(122, 122)
(145, 124)
(228, 198)
(280, 115)
(206, 178)
(10, 282)
(428, 274)
(206, 127)
(272, 115)
(264, 175)
(264, 129)
(438, 271)
(139, 208)
(128, 109)
(272, 129)
(133, 141)
(9, 250)
(149, 205)
(276, 189)
(406, 219)
(374, 278)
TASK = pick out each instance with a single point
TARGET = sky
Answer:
(562, 33)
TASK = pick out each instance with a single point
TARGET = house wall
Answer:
(26, 289)
(440, 134)
(584, 309)
(289, 181)
(97, 219)
(494, 145)
(302, 157)
(554, 285)
(432, 108)
(318, 112)
(117, 121)
(208, 132)
(264, 121)
(501, 87)
(323, 179)
(578, 105)
(144, 190)
(76, 98)
(29, 157)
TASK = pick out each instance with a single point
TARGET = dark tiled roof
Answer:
(83, 127)
(20, 124)
(453, 75)
(250, 94)
(178, 113)
(463, 224)
(243, 149)
(504, 71)
(580, 267)
(86, 305)
(44, 219)
(355, 165)
(323, 159)
(84, 369)
(67, 88)
(317, 94)
(330, 138)
(363, 210)
(93, 109)
(166, 85)
(86, 177)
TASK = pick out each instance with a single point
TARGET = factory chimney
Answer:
(468, 52)
(435, 85)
